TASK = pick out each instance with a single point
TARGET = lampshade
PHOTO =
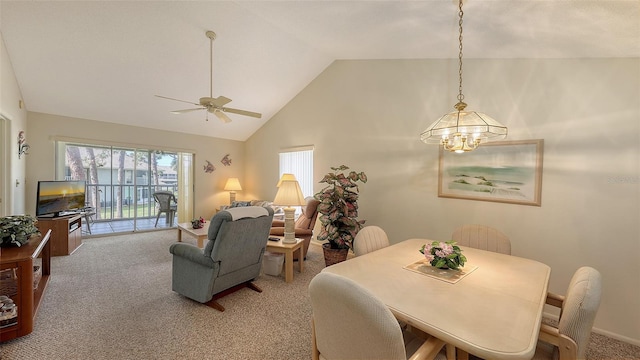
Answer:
(287, 177)
(461, 131)
(233, 184)
(289, 194)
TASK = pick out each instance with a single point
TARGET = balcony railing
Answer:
(124, 201)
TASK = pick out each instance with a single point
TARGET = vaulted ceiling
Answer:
(105, 60)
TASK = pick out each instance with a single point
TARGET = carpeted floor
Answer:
(112, 299)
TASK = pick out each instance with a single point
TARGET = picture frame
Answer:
(500, 171)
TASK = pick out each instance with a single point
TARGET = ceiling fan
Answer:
(211, 104)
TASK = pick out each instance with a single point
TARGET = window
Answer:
(299, 162)
(121, 181)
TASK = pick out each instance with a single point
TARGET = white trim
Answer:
(5, 161)
(84, 141)
(297, 148)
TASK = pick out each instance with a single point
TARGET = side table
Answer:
(199, 234)
(288, 250)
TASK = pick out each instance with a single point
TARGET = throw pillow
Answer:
(240, 203)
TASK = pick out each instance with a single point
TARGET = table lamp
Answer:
(286, 177)
(233, 185)
(289, 194)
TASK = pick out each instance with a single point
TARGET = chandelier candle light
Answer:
(289, 195)
(461, 131)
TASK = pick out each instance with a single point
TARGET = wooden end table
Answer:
(199, 234)
(288, 250)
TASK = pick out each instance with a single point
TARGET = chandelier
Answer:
(462, 130)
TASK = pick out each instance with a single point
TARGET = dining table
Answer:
(491, 308)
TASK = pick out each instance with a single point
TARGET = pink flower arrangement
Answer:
(443, 255)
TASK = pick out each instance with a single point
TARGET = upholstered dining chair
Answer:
(482, 237)
(368, 239)
(166, 203)
(349, 322)
(578, 310)
(303, 227)
(231, 259)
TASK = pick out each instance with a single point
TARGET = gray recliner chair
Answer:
(231, 259)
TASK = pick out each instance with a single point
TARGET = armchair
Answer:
(303, 225)
(231, 259)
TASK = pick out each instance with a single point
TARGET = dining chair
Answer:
(349, 322)
(578, 310)
(166, 204)
(482, 237)
(368, 239)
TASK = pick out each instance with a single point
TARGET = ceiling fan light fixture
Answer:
(211, 104)
(462, 130)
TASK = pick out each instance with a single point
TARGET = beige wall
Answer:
(12, 169)
(42, 128)
(368, 115)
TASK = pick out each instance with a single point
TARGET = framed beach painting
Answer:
(500, 171)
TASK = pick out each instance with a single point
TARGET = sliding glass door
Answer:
(121, 182)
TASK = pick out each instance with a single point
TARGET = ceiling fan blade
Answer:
(242, 112)
(222, 116)
(185, 110)
(184, 101)
(221, 101)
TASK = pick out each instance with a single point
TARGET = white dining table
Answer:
(493, 312)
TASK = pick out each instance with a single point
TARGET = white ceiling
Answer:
(105, 60)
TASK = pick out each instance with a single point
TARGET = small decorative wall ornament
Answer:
(23, 147)
(226, 160)
(209, 168)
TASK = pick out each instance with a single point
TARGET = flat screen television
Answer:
(59, 198)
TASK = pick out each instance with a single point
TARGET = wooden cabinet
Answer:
(66, 233)
(19, 262)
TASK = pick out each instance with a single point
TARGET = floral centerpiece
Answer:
(197, 223)
(16, 230)
(444, 255)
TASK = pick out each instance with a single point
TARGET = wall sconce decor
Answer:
(23, 147)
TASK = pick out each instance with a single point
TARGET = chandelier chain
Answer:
(460, 14)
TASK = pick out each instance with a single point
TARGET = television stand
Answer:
(66, 233)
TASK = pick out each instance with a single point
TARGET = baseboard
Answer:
(599, 331)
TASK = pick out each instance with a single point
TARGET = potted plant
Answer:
(338, 211)
(16, 230)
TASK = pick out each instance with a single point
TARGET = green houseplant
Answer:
(16, 230)
(338, 209)
(443, 255)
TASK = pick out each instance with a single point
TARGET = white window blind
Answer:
(299, 162)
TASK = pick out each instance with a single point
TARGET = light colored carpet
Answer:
(112, 299)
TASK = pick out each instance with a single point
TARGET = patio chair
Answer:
(166, 203)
